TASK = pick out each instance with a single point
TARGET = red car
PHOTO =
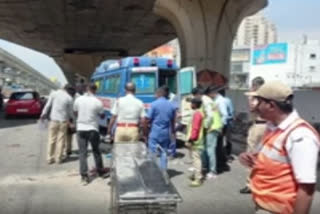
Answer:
(23, 103)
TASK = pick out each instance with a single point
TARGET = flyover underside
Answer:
(89, 29)
(206, 28)
(81, 33)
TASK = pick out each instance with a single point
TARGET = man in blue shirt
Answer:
(174, 99)
(227, 127)
(229, 105)
(161, 119)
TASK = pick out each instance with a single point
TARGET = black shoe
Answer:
(85, 180)
(104, 173)
(224, 168)
(245, 190)
(230, 158)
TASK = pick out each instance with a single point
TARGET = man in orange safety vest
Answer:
(284, 165)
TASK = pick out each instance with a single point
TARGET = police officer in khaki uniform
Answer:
(257, 128)
(59, 107)
(128, 111)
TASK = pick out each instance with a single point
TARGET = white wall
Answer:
(304, 103)
(300, 69)
(308, 67)
(282, 72)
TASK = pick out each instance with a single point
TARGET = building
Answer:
(170, 50)
(297, 64)
(240, 67)
(255, 30)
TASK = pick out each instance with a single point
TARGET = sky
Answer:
(40, 62)
(293, 19)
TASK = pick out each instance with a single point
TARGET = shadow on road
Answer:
(16, 121)
(179, 155)
(172, 173)
(71, 159)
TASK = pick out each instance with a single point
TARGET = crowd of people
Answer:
(282, 148)
(207, 132)
(282, 152)
(68, 109)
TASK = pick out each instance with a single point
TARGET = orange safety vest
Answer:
(273, 184)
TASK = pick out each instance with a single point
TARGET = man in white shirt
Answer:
(284, 166)
(88, 108)
(59, 106)
(71, 130)
(128, 111)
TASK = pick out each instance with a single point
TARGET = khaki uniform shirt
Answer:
(257, 130)
(60, 103)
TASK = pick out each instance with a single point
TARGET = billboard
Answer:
(276, 53)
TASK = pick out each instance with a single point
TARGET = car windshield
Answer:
(22, 96)
(145, 82)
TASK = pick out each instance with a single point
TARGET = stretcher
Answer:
(138, 185)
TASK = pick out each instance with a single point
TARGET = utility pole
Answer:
(295, 64)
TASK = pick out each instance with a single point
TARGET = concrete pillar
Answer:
(206, 28)
(78, 65)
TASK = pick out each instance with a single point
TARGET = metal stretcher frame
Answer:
(138, 185)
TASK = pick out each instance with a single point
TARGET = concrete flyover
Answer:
(23, 75)
(206, 28)
(81, 33)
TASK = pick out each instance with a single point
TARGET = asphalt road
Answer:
(29, 186)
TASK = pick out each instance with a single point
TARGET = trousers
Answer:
(92, 137)
(255, 134)
(159, 147)
(57, 139)
(197, 158)
(68, 146)
(211, 145)
(126, 134)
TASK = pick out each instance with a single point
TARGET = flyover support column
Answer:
(206, 28)
(77, 66)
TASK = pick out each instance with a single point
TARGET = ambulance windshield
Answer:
(145, 82)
